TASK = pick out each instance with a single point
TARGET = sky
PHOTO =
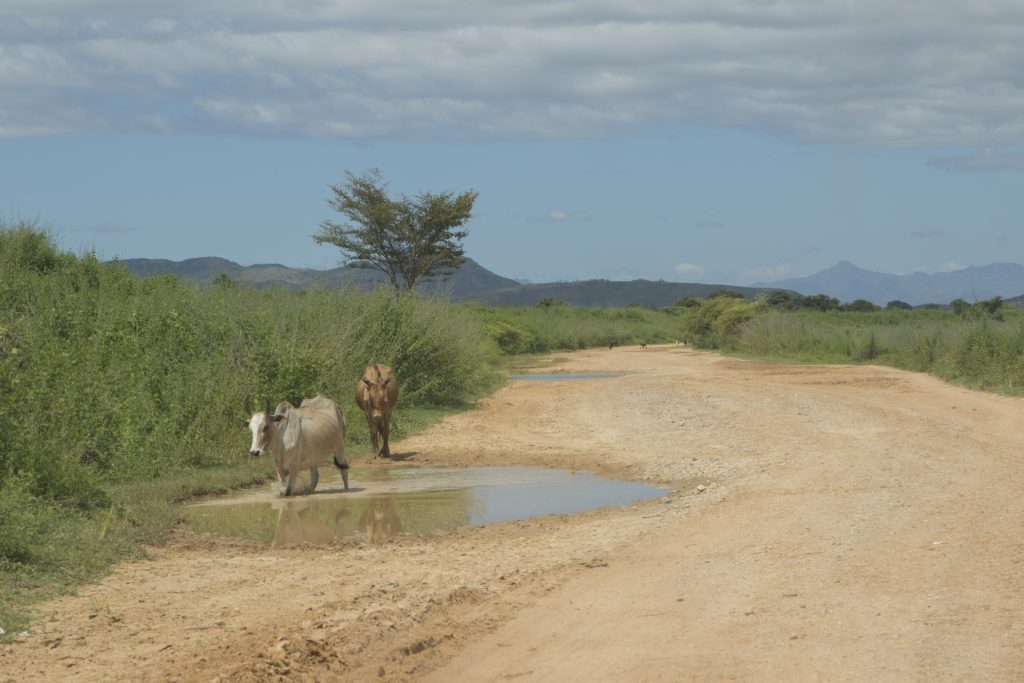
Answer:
(716, 141)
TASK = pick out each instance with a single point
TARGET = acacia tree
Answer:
(406, 238)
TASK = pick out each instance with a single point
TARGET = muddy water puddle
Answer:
(387, 501)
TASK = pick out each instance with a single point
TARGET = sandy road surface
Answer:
(858, 524)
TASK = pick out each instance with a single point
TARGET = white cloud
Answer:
(945, 72)
(689, 269)
(948, 267)
(562, 216)
(709, 222)
(766, 273)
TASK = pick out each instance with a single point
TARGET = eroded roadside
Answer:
(825, 488)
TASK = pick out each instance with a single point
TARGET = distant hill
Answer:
(471, 282)
(471, 277)
(847, 282)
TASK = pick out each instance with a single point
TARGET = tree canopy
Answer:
(407, 238)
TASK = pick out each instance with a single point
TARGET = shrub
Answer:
(716, 321)
(860, 306)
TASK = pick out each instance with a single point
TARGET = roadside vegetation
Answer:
(980, 345)
(121, 397)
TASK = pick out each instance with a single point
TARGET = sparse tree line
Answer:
(783, 300)
(979, 345)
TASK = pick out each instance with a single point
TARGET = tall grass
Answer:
(110, 385)
(980, 352)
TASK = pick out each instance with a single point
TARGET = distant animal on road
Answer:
(299, 438)
(376, 395)
(643, 345)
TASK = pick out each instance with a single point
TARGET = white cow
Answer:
(299, 438)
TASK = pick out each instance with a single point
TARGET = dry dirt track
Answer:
(858, 524)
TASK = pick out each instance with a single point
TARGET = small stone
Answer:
(702, 488)
(748, 612)
(794, 636)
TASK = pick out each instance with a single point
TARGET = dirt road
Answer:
(855, 524)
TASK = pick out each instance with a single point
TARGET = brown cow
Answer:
(376, 394)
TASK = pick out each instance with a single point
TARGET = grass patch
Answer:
(62, 548)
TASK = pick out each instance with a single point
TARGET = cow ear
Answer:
(366, 381)
(277, 418)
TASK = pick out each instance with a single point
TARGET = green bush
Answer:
(510, 340)
(716, 321)
(23, 518)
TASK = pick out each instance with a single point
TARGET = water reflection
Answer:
(306, 523)
(388, 501)
(380, 520)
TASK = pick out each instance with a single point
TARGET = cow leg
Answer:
(342, 466)
(290, 487)
(385, 428)
(314, 477)
(373, 433)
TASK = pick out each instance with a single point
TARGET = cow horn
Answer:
(249, 407)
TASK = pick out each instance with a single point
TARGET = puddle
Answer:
(560, 376)
(387, 501)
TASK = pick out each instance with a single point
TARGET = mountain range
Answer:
(467, 279)
(473, 282)
(847, 282)
(470, 282)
